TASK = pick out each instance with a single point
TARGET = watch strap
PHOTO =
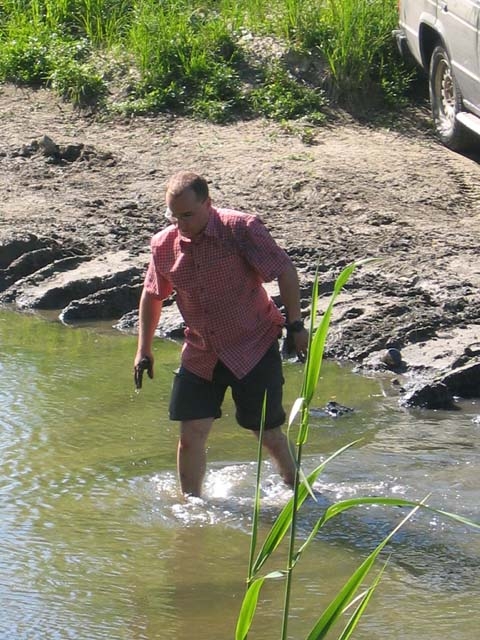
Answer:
(296, 326)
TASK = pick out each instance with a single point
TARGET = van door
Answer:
(459, 20)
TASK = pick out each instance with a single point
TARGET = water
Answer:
(97, 543)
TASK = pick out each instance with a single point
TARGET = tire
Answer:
(446, 102)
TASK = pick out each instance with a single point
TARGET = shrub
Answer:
(25, 60)
(280, 97)
(78, 82)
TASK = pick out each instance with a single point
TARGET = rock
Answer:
(352, 313)
(421, 333)
(332, 409)
(27, 150)
(430, 395)
(30, 262)
(72, 152)
(392, 358)
(49, 147)
(439, 393)
(128, 322)
(73, 278)
(473, 350)
(464, 381)
(102, 305)
(15, 246)
(171, 323)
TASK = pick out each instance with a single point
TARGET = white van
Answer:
(443, 37)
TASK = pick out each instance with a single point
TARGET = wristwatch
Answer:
(295, 327)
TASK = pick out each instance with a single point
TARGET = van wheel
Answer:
(446, 102)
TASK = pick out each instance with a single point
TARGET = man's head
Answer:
(188, 203)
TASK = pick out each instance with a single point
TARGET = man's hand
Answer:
(295, 343)
(300, 340)
(145, 363)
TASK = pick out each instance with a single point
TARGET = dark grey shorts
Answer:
(194, 398)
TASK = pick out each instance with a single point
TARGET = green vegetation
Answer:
(216, 59)
(348, 598)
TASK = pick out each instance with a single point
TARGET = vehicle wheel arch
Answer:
(429, 39)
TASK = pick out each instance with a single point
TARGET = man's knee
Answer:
(274, 437)
(194, 432)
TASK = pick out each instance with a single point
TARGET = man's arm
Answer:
(148, 316)
(290, 294)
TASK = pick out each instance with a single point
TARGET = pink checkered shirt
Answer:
(218, 279)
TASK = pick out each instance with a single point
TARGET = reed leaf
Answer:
(317, 346)
(284, 519)
(363, 603)
(343, 505)
(295, 410)
(256, 506)
(347, 592)
(248, 608)
(250, 602)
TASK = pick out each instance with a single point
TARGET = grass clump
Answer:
(32, 55)
(78, 82)
(24, 58)
(280, 97)
(186, 62)
(190, 58)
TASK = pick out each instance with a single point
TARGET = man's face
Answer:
(188, 212)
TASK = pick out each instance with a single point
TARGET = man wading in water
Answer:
(216, 261)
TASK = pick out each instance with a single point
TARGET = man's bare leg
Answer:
(192, 455)
(276, 443)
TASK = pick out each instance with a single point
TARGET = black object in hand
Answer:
(289, 349)
(145, 364)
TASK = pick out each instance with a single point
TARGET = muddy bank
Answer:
(81, 198)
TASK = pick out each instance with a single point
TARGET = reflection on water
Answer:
(97, 543)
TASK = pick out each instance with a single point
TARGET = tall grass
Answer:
(191, 55)
(286, 522)
(354, 36)
(185, 57)
(104, 22)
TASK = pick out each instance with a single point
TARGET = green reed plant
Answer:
(55, 14)
(355, 37)
(286, 521)
(74, 75)
(104, 22)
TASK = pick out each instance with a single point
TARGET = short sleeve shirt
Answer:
(217, 278)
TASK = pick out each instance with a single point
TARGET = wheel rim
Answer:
(446, 97)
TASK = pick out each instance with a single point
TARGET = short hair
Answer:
(183, 180)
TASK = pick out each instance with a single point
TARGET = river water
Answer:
(96, 543)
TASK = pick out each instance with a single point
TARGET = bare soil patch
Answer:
(331, 195)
